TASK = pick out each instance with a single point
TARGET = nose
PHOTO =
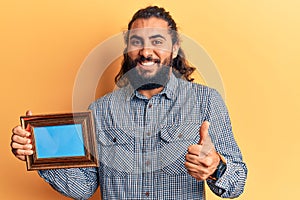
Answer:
(146, 51)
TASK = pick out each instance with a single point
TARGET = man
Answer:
(159, 136)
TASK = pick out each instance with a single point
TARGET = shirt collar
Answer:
(171, 87)
(169, 90)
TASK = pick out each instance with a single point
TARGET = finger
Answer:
(194, 149)
(207, 161)
(15, 145)
(23, 158)
(20, 140)
(196, 169)
(192, 159)
(193, 167)
(18, 130)
(203, 132)
(28, 113)
(22, 152)
(198, 176)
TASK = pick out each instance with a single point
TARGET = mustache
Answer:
(149, 58)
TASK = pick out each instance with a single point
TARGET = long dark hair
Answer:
(180, 65)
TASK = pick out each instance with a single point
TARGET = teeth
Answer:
(147, 63)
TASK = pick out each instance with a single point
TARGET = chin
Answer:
(147, 80)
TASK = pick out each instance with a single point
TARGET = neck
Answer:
(151, 93)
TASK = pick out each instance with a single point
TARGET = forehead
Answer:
(150, 26)
(152, 22)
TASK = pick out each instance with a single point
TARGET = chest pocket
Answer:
(175, 140)
(116, 153)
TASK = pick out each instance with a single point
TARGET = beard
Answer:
(139, 79)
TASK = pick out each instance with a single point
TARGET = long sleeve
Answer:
(77, 183)
(232, 182)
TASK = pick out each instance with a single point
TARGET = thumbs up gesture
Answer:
(202, 159)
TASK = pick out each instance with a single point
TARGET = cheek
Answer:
(165, 58)
(133, 54)
(163, 54)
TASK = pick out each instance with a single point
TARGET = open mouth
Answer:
(147, 63)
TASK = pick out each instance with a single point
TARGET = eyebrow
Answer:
(151, 37)
(157, 36)
(135, 37)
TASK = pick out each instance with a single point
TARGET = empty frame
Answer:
(61, 140)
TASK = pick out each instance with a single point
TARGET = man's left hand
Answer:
(201, 163)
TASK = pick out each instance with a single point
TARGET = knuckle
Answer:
(28, 147)
(17, 152)
(17, 139)
(208, 162)
(202, 176)
(14, 138)
(187, 157)
(187, 165)
(189, 148)
(16, 129)
(13, 145)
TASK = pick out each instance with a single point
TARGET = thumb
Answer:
(28, 113)
(203, 132)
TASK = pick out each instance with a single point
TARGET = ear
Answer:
(175, 50)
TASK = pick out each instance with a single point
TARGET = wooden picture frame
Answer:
(64, 140)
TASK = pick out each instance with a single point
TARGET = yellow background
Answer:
(255, 45)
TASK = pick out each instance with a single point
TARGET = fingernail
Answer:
(28, 141)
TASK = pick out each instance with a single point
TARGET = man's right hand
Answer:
(20, 141)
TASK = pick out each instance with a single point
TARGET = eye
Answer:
(157, 42)
(136, 42)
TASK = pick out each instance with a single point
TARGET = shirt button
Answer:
(150, 105)
(148, 134)
(148, 162)
(115, 140)
(147, 194)
(180, 135)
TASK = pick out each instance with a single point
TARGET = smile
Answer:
(147, 64)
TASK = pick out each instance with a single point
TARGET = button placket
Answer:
(149, 140)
